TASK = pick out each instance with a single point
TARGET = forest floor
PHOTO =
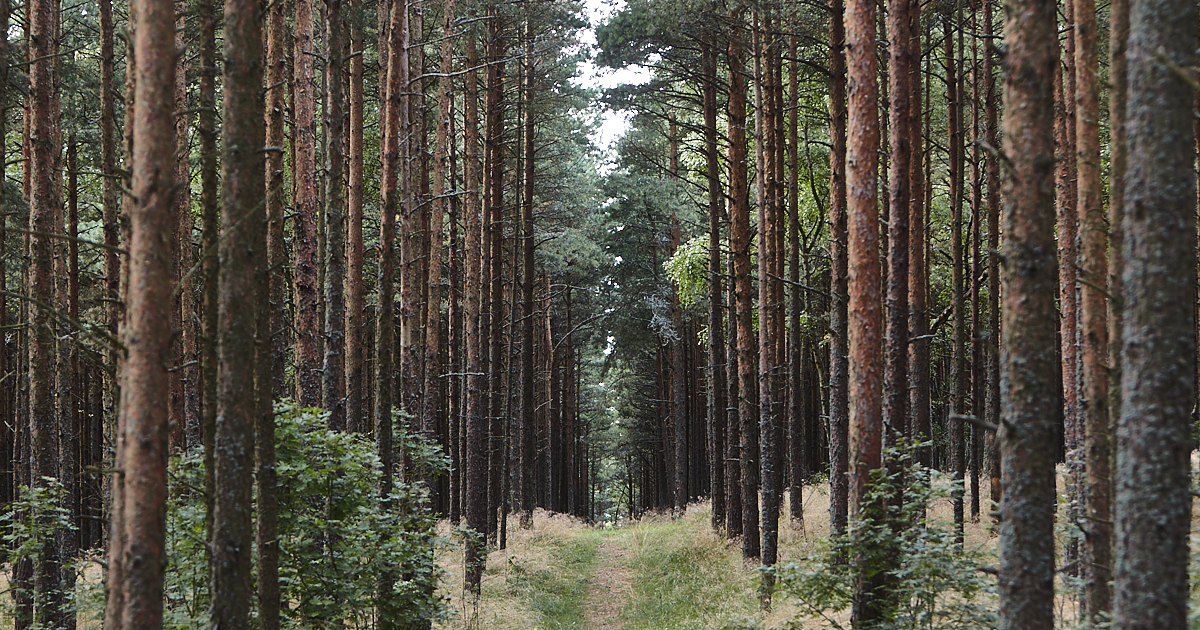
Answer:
(656, 573)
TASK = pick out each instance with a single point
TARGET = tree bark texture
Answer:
(1153, 502)
(1029, 395)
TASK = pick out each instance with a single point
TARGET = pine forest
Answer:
(610, 314)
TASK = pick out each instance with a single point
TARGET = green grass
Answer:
(558, 594)
(684, 577)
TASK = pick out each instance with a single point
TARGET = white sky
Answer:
(613, 123)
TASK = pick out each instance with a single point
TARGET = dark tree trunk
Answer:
(716, 323)
(839, 368)
(1153, 436)
(528, 279)
(45, 202)
(902, 65)
(333, 383)
(305, 263)
(992, 415)
(1030, 398)
(959, 374)
(242, 191)
(355, 367)
(739, 243)
(475, 396)
(1093, 270)
(797, 414)
(276, 71)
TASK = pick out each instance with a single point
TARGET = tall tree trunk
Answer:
(991, 443)
(276, 70)
(918, 265)
(475, 479)
(528, 368)
(865, 319)
(305, 263)
(493, 321)
(181, 247)
(716, 325)
(1029, 395)
(1153, 503)
(902, 65)
(797, 416)
(148, 328)
(739, 243)
(242, 213)
(1118, 73)
(959, 375)
(45, 201)
(210, 230)
(1094, 326)
(268, 281)
(355, 369)
(839, 367)
(333, 383)
(394, 116)
(769, 304)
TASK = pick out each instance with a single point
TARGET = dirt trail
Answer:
(609, 588)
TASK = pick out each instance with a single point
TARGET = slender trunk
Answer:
(45, 201)
(528, 373)
(209, 216)
(1029, 395)
(355, 369)
(839, 368)
(1094, 326)
(276, 70)
(181, 245)
(991, 443)
(918, 266)
(1153, 433)
(739, 237)
(305, 263)
(475, 479)
(333, 383)
(959, 376)
(716, 325)
(797, 416)
(902, 64)
(494, 231)
(1118, 73)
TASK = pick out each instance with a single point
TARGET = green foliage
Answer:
(934, 583)
(335, 541)
(688, 269)
(37, 519)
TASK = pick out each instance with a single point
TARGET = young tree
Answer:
(1029, 395)
(1153, 503)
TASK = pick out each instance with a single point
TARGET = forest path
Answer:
(611, 581)
(656, 573)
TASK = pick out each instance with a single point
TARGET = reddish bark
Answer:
(148, 326)
(1029, 396)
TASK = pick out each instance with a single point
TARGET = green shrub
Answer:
(934, 583)
(335, 541)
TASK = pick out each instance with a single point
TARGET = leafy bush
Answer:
(934, 583)
(335, 541)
